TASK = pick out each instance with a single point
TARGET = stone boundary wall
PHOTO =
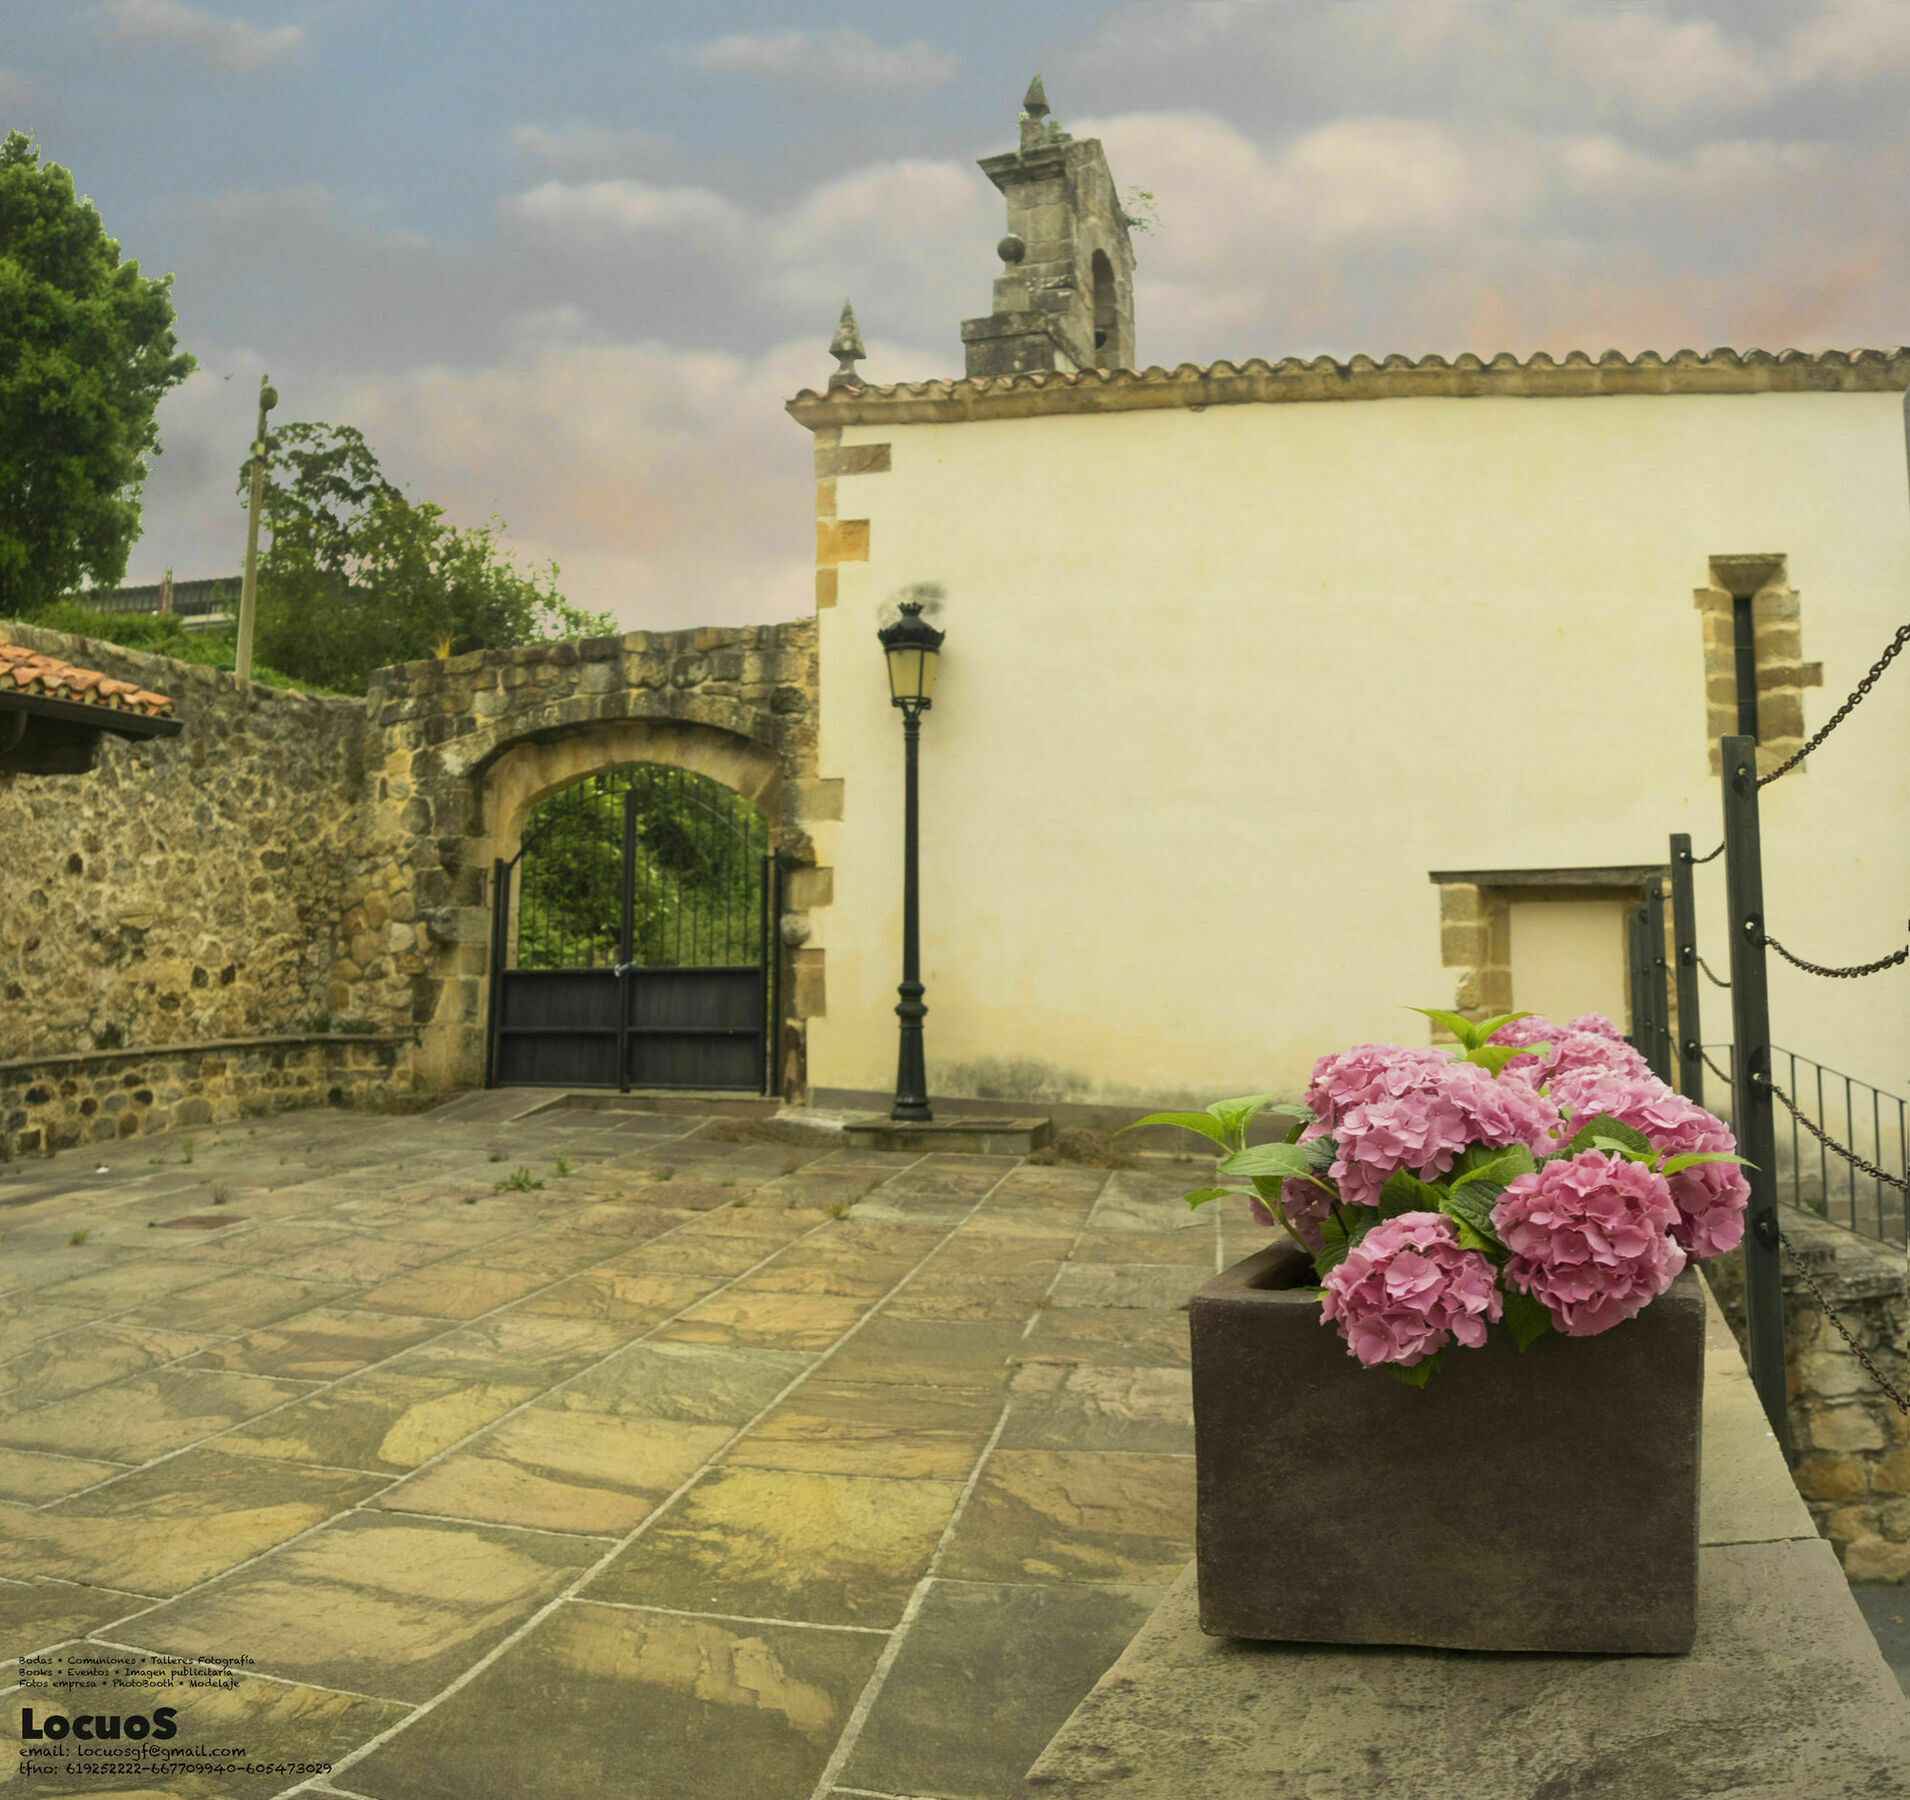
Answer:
(288, 865)
(185, 888)
(1852, 1445)
(63, 1101)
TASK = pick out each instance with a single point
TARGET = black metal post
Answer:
(1658, 985)
(1684, 935)
(627, 938)
(766, 1005)
(1750, 1087)
(1640, 1038)
(500, 939)
(911, 1073)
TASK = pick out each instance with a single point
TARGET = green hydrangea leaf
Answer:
(1525, 1317)
(1690, 1158)
(1463, 1029)
(1205, 1123)
(1469, 1206)
(1604, 1125)
(1200, 1196)
(1419, 1373)
(1499, 1166)
(1494, 1057)
(1232, 1115)
(1268, 1159)
(1489, 1028)
(1405, 1192)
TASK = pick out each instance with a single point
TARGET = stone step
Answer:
(976, 1136)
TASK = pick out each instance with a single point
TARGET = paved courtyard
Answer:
(590, 1453)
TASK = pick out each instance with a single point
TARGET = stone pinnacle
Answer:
(1035, 101)
(846, 348)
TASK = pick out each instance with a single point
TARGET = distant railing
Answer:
(1874, 1124)
(190, 599)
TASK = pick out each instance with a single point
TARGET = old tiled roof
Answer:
(26, 671)
(1361, 378)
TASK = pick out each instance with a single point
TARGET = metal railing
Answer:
(1874, 1124)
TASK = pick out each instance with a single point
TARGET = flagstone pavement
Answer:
(591, 1453)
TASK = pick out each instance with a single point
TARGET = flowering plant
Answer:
(1538, 1175)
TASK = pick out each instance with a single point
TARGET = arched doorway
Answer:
(631, 936)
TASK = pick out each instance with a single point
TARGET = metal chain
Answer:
(1696, 861)
(1830, 1143)
(1715, 1070)
(1843, 712)
(1716, 980)
(1811, 968)
(1843, 1330)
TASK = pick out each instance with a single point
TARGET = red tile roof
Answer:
(26, 671)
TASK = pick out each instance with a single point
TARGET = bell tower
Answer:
(1065, 297)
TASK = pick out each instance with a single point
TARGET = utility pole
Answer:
(268, 398)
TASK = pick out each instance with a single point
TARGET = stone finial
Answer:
(1036, 126)
(846, 348)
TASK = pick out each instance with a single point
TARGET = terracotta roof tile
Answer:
(26, 671)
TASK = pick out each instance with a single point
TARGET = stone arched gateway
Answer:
(459, 751)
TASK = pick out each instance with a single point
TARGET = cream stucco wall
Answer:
(1222, 686)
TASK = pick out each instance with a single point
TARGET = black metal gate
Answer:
(633, 940)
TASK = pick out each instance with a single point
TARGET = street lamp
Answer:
(913, 649)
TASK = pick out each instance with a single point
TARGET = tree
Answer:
(358, 576)
(86, 353)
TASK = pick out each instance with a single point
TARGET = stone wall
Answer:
(53, 1103)
(1852, 1445)
(287, 865)
(185, 889)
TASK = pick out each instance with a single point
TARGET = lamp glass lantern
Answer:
(913, 647)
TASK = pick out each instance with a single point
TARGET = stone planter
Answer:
(1539, 1502)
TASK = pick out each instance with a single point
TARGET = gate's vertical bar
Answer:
(765, 1010)
(500, 926)
(1684, 933)
(1658, 1054)
(1751, 1075)
(627, 938)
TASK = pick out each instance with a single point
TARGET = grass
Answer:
(162, 634)
(519, 1181)
(789, 1168)
(562, 1165)
(187, 1145)
(78, 1237)
(221, 1195)
(740, 1200)
(497, 1156)
(662, 1174)
(837, 1209)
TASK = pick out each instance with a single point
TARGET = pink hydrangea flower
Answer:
(1423, 1130)
(1407, 1289)
(1710, 1197)
(1368, 1072)
(1591, 1041)
(1590, 1237)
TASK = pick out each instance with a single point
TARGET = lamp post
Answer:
(248, 586)
(913, 649)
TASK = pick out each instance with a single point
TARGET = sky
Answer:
(563, 262)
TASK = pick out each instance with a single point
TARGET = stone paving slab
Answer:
(593, 1453)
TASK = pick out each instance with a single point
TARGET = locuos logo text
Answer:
(102, 1727)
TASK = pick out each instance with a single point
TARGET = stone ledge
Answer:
(1785, 1693)
(143, 1053)
(974, 1136)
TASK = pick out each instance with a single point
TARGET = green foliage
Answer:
(1404, 1192)
(1138, 209)
(1419, 1373)
(357, 576)
(696, 886)
(1606, 1133)
(1525, 1317)
(1474, 1046)
(520, 1181)
(163, 634)
(86, 353)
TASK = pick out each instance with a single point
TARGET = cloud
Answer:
(1667, 67)
(837, 62)
(580, 152)
(229, 44)
(15, 89)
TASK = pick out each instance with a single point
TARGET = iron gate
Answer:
(632, 938)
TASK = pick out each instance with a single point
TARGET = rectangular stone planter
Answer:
(1545, 1501)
